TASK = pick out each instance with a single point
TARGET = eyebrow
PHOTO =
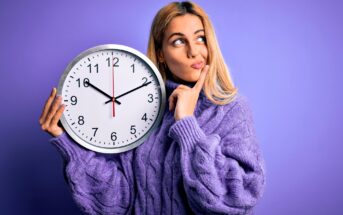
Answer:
(181, 34)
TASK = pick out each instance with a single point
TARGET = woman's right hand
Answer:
(51, 114)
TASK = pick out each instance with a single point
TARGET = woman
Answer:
(204, 157)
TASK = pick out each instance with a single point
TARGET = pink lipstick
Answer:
(197, 65)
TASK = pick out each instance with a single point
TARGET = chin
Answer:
(195, 77)
(192, 79)
(189, 78)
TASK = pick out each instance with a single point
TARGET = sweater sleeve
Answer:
(98, 182)
(223, 173)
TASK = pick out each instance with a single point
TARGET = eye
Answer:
(201, 39)
(178, 42)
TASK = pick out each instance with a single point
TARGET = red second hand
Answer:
(113, 110)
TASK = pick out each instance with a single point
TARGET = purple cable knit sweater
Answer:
(208, 163)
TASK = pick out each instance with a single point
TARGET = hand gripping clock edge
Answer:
(130, 91)
(51, 114)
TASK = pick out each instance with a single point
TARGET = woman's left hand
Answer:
(184, 99)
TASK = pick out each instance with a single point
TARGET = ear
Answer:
(160, 57)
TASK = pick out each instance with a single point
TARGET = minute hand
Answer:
(117, 97)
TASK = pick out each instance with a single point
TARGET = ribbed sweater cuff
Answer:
(186, 132)
(66, 146)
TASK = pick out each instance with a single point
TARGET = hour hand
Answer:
(102, 92)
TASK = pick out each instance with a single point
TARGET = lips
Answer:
(197, 65)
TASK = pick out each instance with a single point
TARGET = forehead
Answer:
(187, 23)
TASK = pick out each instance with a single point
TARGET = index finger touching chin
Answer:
(201, 80)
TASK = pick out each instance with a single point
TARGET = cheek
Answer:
(204, 53)
(174, 60)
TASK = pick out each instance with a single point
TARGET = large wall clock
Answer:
(114, 97)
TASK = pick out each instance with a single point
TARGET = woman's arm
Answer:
(100, 184)
(223, 173)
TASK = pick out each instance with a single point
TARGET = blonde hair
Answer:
(218, 86)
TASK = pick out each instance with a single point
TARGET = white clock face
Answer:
(114, 98)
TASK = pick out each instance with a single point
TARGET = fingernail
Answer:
(53, 90)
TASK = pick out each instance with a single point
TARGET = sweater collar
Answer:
(171, 85)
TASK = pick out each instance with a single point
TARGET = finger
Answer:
(171, 103)
(181, 86)
(172, 99)
(57, 115)
(52, 111)
(200, 83)
(47, 106)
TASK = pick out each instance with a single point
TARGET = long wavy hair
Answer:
(218, 86)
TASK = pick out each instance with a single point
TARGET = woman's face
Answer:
(184, 48)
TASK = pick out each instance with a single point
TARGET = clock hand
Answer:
(102, 92)
(113, 110)
(130, 91)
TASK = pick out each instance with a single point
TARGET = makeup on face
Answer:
(184, 49)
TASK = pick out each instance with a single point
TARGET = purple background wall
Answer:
(285, 56)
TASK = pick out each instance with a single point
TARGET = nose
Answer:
(192, 50)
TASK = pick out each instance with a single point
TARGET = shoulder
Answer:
(239, 106)
(235, 114)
